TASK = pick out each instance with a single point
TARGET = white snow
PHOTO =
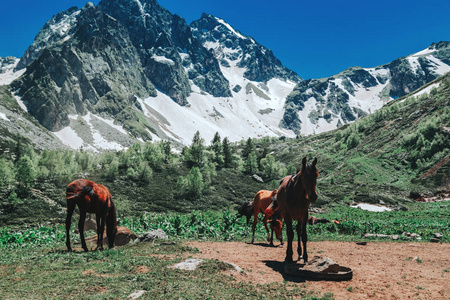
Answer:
(424, 52)
(440, 67)
(65, 24)
(69, 137)
(9, 75)
(236, 117)
(141, 8)
(322, 125)
(163, 59)
(230, 28)
(414, 63)
(20, 102)
(3, 116)
(111, 123)
(371, 207)
(99, 141)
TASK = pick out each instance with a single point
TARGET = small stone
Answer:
(437, 235)
(136, 295)
(395, 237)
(189, 264)
(434, 240)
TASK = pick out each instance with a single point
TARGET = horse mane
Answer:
(88, 190)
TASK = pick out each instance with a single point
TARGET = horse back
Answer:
(90, 196)
(263, 199)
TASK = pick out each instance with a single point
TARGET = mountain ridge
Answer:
(139, 73)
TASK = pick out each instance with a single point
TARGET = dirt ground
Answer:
(381, 270)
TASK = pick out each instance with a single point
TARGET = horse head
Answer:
(307, 178)
(276, 224)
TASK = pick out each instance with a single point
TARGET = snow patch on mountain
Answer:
(230, 28)
(88, 132)
(3, 116)
(7, 74)
(69, 137)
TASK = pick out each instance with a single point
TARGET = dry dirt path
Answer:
(381, 270)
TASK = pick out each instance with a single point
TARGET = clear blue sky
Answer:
(314, 38)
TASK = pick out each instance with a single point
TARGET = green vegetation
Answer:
(194, 194)
(110, 274)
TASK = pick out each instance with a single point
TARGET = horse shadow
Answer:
(278, 266)
(265, 245)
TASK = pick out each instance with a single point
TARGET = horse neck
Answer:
(297, 185)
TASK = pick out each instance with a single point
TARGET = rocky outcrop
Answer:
(96, 70)
(357, 91)
(259, 61)
(99, 58)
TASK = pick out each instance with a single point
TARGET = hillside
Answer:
(400, 150)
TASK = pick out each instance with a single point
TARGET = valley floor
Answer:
(381, 270)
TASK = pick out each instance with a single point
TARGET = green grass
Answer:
(424, 219)
(40, 273)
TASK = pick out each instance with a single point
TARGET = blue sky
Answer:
(314, 38)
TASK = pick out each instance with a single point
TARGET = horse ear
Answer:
(303, 162)
(315, 161)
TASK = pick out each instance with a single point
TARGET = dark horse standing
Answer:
(92, 198)
(294, 197)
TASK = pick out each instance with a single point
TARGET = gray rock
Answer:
(322, 265)
(437, 235)
(152, 235)
(257, 178)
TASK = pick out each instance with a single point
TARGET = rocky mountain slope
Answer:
(105, 77)
(318, 105)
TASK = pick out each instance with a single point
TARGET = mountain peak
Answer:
(232, 48)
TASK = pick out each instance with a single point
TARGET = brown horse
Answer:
(93, 198)
(295, 194)
(264, 202)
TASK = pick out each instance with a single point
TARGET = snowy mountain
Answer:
(319, 105)
(105, 77)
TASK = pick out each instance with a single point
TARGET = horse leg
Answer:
(70, 209)
(255, 220)
(81, 229)
(271, 237)
(290, 235)
(304, 240)
(299, 249)
(101, 230)
(267, 228)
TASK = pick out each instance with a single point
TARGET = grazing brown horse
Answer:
(93, 198)
(264, 202)
(295, 194)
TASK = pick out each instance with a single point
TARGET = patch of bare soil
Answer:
(381, 270)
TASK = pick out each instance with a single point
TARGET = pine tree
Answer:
(227, 153)
(248, 148)
(25, 173)
(197, 149)
(251, 163)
